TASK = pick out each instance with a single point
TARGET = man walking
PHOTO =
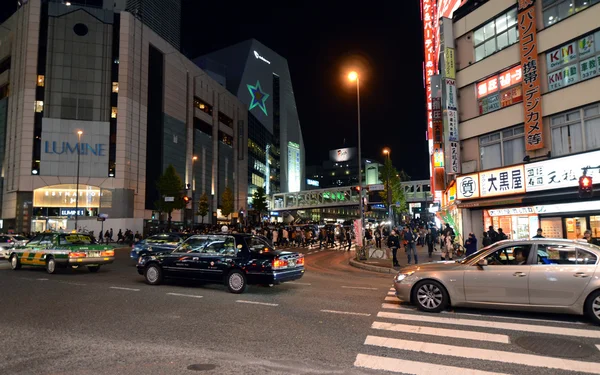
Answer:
(411, 248)
(393, 243)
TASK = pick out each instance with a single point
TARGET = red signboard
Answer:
(428, 16)
(503, 80)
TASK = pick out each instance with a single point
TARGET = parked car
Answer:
(10, 241)
(52, 250)
(157, 244)
(237, 260)
(545, 275)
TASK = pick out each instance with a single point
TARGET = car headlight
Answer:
(401, 276)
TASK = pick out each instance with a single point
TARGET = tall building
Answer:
(161, 16)
(260, 78)
(516, 84)
(138, 104)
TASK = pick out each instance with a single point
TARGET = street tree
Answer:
(259, 200)
(203, 206)
(227, 202)
(169, 186)
(391, 175)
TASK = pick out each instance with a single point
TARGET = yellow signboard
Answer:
(449, 67)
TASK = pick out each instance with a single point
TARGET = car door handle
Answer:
(580, 274)
(519, 274)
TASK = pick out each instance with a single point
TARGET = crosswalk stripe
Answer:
(390, 293)
(485, 354)
(442, 332)
(394, 299)
(411, 367)
(552, 330)
(397, 306)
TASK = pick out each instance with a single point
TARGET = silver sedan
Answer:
(544, 275)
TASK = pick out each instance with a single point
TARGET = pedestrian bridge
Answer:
(414, 191)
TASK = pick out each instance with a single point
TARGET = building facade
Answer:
(526, 77)
(67, 68)
(260, 78)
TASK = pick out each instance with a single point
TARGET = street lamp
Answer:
(387, 152)
(194, 158)
(353, 76)
(79, 133)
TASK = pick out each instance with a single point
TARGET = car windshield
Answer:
(477, 253)
(75, 239)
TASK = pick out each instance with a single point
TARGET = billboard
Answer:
(342, 154)
(294, 163)
(60, 148)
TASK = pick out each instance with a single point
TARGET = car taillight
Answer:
(77, 255)
(108, 253)
(279, 263)
(300, 261)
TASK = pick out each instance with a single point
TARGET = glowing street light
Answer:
(353, 76)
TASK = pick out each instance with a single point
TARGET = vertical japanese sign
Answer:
(437, 120)
(531, 79)
(449, 67)
(429, 68)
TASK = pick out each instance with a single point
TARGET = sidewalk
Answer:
(385, 265)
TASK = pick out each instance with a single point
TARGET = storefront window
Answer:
(575, 227)
(595, 226)
(568, 130)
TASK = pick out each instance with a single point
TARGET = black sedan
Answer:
(237, 260)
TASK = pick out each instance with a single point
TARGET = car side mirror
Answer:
(482, 263)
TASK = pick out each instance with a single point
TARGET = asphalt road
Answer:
(335, 320)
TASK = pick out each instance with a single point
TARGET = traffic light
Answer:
(586, 187)
(186, 199)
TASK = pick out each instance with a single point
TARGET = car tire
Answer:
(93, 269)
(51, 265)
(236, 282)
(153, 274)
(430, 296)
(592, 307)
(15, 263)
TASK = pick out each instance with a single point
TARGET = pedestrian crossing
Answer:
(464, 343)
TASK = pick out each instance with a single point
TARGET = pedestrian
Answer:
(501, 235)
(429, 242)
(378, 238)
(539, 234)
(471, 244)
(492, 234)
(448, 248)
(100, 237)
(486, 241)
(393, 243)
(410, 247)
(349, 239)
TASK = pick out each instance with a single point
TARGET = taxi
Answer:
(52, 250)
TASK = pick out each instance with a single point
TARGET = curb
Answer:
(368, 267)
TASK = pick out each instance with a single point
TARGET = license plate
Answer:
(292, 263)
(94, 254)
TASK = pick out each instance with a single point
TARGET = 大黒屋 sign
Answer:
(532, 102)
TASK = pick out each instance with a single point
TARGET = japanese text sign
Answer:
(532, 102)
(501, 181)
(468, 186)
(561, 172)
(449, 67)
(429, 66)
(437, 120)
(505, 79)
(453, 158)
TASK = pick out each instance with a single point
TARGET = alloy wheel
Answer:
(430, 296)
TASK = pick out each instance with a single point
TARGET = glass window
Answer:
(557, 10)
(496, 35)
(39, 106)
(35, 240)
(113, 112)
(41, 80)
(209, 245)
(563, 255)
(506, 147)
(576, 131)
(115, 87)
(258, 244)
(509, 256)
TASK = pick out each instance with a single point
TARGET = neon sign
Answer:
(259, 97)
(58, 148)
(256, 54)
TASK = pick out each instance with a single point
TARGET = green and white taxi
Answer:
(52, 250)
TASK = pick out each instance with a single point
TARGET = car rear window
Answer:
(163, 239)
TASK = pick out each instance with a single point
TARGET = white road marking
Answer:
(412, 367)
(392, 288)
(297, 283)
(312, 252)
(598, 347)
(184, 295)
(120, 288)
(42, 279)
(442, 332)
(71, 283)
(358, 287)
(393, 299)
(345, 312)
(257, 303)
(395, 306)
(390, 293)
(551, 330)
(485, 354)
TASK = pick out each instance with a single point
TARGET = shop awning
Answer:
(483, 203)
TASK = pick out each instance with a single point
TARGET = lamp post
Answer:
(194, 158)
(79, 133)
(388, 189)
(353, 76)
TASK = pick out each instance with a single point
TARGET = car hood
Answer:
(435, 266)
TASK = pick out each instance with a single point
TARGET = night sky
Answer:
(322, 41)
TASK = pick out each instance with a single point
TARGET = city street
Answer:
(336, 319)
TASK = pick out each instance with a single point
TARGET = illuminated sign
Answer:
(258, 56)
(65, 196)
(312, 182)
(342, 154)
(467, 186)
(293, 167)
(562, 55)
(72, 212)
(449, 67)
(561, 172)
(428, 15)
(501, 81)
(532, 103)
(492, 183)
(259, 97)
(500, 91)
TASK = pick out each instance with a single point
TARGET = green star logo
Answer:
(259, 97)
